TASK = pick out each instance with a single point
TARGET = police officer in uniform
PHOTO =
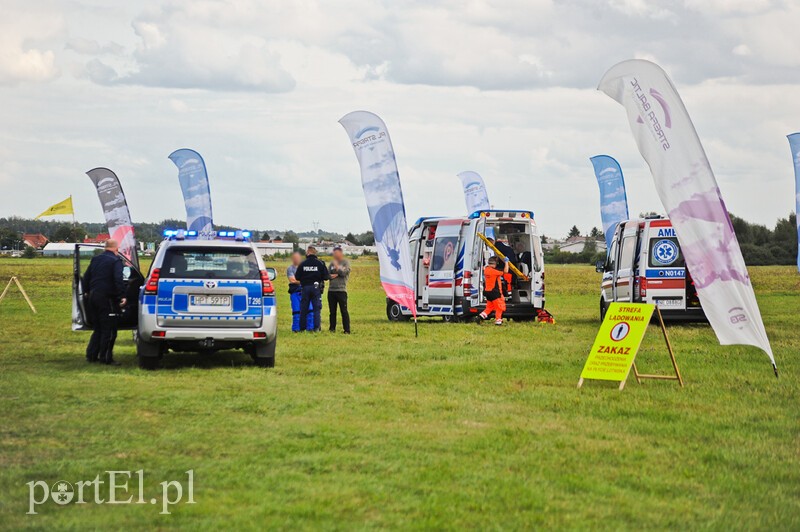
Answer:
(312, 275)
(106, 289)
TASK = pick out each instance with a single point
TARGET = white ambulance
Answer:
(645, 265)
(448, 258)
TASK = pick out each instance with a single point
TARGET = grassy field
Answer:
(465, 426)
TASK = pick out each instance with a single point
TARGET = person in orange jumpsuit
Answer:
(493, 290)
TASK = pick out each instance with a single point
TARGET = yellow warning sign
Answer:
(617, 342)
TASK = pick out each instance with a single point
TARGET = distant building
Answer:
(268, 249)
(576, 244)
(64, 249)
(326, 248)
(99, 239)
(34, 240)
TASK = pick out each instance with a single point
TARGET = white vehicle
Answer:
(448, 258)
(199, 295)
(645, 265)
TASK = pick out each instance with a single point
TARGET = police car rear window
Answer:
(209, 263)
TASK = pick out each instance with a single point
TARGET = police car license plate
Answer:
(669, 303)
(204, 300)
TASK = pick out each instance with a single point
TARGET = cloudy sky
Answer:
(502, 87)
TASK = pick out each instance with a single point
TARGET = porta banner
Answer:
(688, 189)
(115, 210)
(474, 192)
(613, 200)
(794, 143)
(196, 192)
(381, 183)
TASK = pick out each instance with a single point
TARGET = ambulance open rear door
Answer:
(441, 278)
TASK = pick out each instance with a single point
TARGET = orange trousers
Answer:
(498, 306)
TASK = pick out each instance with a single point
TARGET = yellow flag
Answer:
(62, 207)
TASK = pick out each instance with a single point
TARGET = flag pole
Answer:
(416, 330)
(73, 210)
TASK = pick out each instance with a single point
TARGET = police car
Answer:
(645, 265)
(201, 295)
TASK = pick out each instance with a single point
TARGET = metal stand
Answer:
(676, 377)
(24, 294)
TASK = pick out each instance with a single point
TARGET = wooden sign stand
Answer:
(676, 377)
(24, 294)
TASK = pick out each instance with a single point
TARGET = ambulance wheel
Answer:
(395, 312)
(450, 319)
(603, 308)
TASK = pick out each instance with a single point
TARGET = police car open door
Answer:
(81, 317)
(440, 291)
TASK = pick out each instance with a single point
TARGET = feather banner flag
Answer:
(794, 144)
(384, 196)
(667, 140)
(115, 210)
(613, 199)
(474, 192)
(196, 192)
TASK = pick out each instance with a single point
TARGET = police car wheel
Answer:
(264, 354)
(450, 319)
(148, 363)
(266, 362)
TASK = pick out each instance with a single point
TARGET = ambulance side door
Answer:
(626, 273)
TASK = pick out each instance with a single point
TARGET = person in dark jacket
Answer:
(105, 289)
(312, 275)
(337, 291)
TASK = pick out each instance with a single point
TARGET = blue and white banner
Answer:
(613, 200)
(688, 189)
(381, 183)
(196, 192)
(474, 192)
(794, 143)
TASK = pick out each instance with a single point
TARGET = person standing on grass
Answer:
(337, 291)
(105, 288)
(312, 274)
(295, 295)
(493, 290)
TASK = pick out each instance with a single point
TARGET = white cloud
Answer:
(276, 76)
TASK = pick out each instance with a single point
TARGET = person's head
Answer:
(492, 262)
(338, 254)
(520, 247)
(112, 246)
(297, 258)
(311, 250)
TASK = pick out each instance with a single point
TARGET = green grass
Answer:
(465, 426)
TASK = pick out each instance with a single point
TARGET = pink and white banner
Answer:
(115, 210)
(688, 189)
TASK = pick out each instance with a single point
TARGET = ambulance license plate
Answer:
(669, 303)
(205, 300)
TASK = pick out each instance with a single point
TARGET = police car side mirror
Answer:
(600, 266)
(272, 274)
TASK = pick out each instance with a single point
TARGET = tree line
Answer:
(12, 229)
(760, 244)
